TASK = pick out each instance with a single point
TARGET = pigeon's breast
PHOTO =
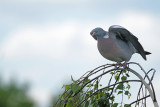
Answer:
(110, 49)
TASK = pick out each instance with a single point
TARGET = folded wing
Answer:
(126, 36)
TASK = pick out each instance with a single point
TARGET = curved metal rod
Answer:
(146, 85)
(147, 78)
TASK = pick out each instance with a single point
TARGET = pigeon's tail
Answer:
(147, 53)
(144, 53)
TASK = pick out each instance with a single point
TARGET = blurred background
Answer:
(44, 42)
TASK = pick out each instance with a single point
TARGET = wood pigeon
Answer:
(118, 44)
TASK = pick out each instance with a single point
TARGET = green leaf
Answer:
(87, 104)
(103, 97)
(123, 78)
(86, 95)
(127, 105)
(126, 92)
(69, 104)
(67, 87)
(86, 80)
(99, 95)
(70, 98)
(127, 74)
(107, 94)
(124, 71)
(91, 91)
(64, 105)
(119, 92)
(75, 88)
(72, 79)
(111, 72)
(93, 101)
(89, 85)
(112, 98)
(96, 85)
(115, 105)
(128, 86)
(116, 77)
(120, 86)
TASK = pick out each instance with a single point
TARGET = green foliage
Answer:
(13, 95)
(90, 93)
(75, 88)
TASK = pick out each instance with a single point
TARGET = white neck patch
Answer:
(106, 36)
(116, 26)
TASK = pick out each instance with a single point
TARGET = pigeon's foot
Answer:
(118, 65)
(124, 65)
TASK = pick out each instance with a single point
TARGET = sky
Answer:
(44, 42)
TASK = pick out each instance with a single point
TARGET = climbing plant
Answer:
(90, 90)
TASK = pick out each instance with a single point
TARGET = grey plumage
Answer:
(118, 44)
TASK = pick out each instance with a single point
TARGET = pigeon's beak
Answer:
(93, 33)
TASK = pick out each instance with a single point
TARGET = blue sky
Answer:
(44, 42)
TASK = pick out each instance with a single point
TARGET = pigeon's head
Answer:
(98, 33)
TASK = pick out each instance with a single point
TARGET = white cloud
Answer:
(59, 41)
(50, 40)
(136, 20)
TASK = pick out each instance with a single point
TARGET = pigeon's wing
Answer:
(126, 36)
